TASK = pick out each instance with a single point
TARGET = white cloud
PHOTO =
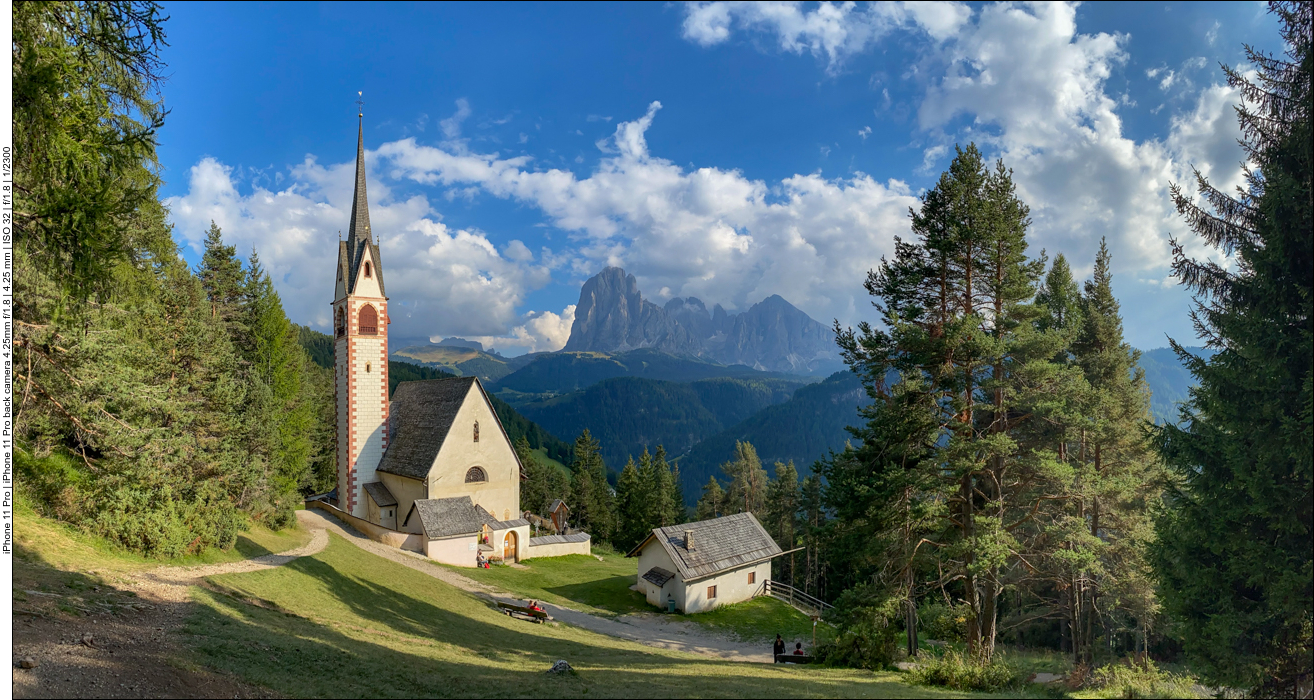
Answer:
(542, 331)
(1035, 89)
(1212, 35)
(864, 132)
(706, 232)
(440, 280)
(833, 30)
(452, 125)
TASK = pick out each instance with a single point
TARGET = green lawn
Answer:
(576, 581)
(345, 623)
(543, 457)
(763, 618)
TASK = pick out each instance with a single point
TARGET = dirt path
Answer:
(649, 629)
(127, 642)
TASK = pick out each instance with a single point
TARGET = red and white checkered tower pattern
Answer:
(360, 351)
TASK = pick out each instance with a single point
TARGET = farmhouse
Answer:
(433, 469)
(702, 565)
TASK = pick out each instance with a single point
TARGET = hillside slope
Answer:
(564, 372)
(628, 414)
(801, 429)
(461, 361)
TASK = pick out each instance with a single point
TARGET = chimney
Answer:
(688, 540)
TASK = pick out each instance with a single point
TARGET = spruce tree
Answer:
(534, 496)
(663, 490)
(221, 275)
(681, 513)
(781, 519)
(583, 500)
(632, 524)
(712, 503)
(1233, 554)
(748, 481)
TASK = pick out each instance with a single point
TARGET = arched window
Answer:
(340, 323)
(367, 268)
(476, 475)
(476, 431)
(369, 321)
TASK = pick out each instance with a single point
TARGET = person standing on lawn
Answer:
(778, 648)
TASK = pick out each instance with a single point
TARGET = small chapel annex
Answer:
(431, 470)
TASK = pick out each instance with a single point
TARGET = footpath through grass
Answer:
(346, 623)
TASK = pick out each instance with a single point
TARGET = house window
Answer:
(752, 577)
(711, 592)
(340, 323)
(369, 321)
(475, 475)
(367, 268)
(476, 431)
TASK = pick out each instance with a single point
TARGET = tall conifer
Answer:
(1234, 547)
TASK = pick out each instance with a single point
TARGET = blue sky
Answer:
(721, 150)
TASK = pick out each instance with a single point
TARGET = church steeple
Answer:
(360, 208)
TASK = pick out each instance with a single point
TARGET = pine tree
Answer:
(1233, 554)
(662, 490)
(712, 503)
(748, 481)
(781, 519)
(681, 513)
(534, 494)
(583, 495)
(812, 524)
(221, 275)
(631, 516)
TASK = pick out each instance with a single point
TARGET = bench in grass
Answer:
(521, 612)
(793, 659)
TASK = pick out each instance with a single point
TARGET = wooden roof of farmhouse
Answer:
(420, 418)
(718, 545)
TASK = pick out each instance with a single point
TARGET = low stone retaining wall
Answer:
(392, 538)
(559, 545)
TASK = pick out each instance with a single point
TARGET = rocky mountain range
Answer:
(772, 335)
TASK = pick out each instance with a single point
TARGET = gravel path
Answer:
(653, 630)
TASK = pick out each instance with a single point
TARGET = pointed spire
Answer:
(360, 208)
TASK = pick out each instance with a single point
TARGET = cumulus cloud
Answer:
(706, 232)
(439, 279)
(542, 331)
(832, 30)
(1035, 89)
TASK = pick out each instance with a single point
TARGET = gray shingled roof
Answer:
(421, 414)
(446, 517)
(719, 544)
(658, 576)
(508, 524)
(380, 493)
(559, 539)
(557, 502)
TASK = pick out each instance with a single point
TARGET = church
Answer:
(432, 470)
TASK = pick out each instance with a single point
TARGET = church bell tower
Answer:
(360, 350)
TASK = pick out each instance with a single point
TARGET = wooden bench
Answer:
(793, 659)
(521, 612)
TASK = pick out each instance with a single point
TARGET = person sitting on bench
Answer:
(798, 649)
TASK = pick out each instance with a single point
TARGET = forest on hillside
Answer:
(1005, 484)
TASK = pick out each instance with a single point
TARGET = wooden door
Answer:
(509, 546)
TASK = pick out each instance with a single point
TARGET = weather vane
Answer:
(360, 103)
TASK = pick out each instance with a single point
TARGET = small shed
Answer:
(381, 507)
(706, 564)
(559, 512)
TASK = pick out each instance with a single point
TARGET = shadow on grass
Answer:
(612, 593)
(365, 636)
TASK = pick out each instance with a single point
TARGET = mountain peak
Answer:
(772, 335)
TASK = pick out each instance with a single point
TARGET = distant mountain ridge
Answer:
(772, 335)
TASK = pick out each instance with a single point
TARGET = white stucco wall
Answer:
(407, 491)
(456, 551)
(500, 495)
(558, 550)
(655, 555)
(731, 587)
